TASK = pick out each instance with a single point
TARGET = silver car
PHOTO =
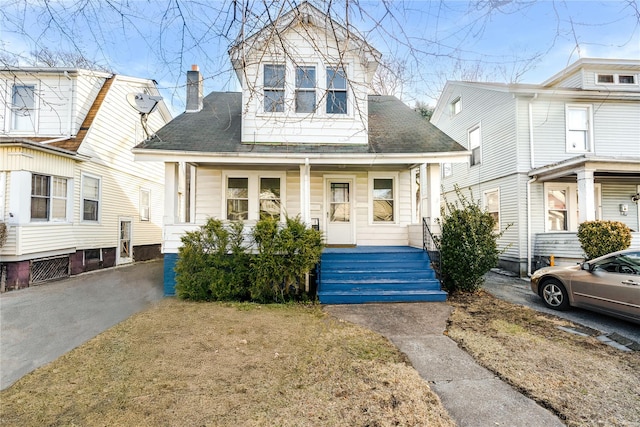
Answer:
(609, 284)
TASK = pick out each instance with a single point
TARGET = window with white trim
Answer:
(579, 134)
(474, 145)
(48, 198)
(447, 170)
(557, 209)
(270, 204)
(23, 108)
(252, 195)
(274, 75)
(90, 198)
(616, 79)
(492, 206)
(305, 89)
(456, 106)
(237, 198)
(383, 200)
(145, 202)
(336, 90)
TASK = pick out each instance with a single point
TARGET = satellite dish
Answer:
(144, 103)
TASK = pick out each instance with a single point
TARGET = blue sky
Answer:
(525, 41)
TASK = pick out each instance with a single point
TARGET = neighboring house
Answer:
(304, 138)
(71, 196)
(548, 157)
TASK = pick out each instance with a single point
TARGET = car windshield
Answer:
(628, 263)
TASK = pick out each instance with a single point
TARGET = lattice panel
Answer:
(49, 268)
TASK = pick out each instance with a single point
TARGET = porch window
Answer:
(492, 206)
(237, 199)
(578, 120)
(557, 214)
(23, 108)
(340, 206)
(90, 198)
(474, 145)
(48, 198)
(336, 91)
(145, 198)
(305, 89)
(270, 198)
(274, 88)
(383, 200)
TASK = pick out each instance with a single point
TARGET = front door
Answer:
(124, 253)
(340, 228)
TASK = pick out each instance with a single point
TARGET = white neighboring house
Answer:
(304, 138)
(548, 157)
(71, 196)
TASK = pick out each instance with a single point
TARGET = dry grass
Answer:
(583, 381)
(193, 364)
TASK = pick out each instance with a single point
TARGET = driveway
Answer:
(41, 323)
(518, 291)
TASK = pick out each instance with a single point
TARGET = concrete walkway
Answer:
(472, 395)
(39, 324)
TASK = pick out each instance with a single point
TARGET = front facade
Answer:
(304, 137)
(71, 197)
(548, 157)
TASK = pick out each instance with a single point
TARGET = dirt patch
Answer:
(583, 381)
(183, 363)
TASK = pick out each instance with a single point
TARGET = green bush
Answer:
(599, 238)
(468, 245)
(213, 264)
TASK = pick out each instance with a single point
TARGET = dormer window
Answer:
(336, 91)
(605, 78)
(626, 79)
(305, 89)
(619, 79)
(274, 88)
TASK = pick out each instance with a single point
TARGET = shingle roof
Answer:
(394, 128)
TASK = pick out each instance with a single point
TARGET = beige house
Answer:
(71, 197)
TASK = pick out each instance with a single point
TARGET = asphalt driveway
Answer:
(41, 323)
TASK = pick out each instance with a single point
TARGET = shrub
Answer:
(468, 244)
(213, 264)
(599, 238)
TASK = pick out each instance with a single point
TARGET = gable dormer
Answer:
(598, 74)
(305, 79)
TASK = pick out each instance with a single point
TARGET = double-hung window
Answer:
(474, 145)
(578, 119)
(90, 198)
(383, 200)
(274, 88)
(557, 212)
(492, 206)
(48, 198)
(336, 90)
(237, 199)
(270, 198)
(305, 89)
(23, 108)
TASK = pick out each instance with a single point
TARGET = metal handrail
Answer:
(431, 247)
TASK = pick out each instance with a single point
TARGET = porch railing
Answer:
(431, 247)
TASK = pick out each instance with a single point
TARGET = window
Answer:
(557, 213)
(447, 170)
(237, 199)
(578, 128)
(305, 89)
(605, 78)
(48, 198)
(627, 79)
(90, 198)
(270, 198)
(492, 206)
(456, 106)
(474, 145)
(336, 91)
(383, 200)
(274, 88)
(145, 199)
(623, 79)
(23, 107)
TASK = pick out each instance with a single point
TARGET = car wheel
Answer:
(554, 295)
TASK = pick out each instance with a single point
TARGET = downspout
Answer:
(531, 181)
(69, 115)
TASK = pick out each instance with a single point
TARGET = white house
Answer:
(548, 157)
(71, 197)
(304, 137)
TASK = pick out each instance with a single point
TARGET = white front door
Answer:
(124, 253)
(340, 228)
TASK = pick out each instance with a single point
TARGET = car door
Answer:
(612, 286)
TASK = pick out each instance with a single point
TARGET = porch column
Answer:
(305, 192)
(586, 198)
(170, 193)
(431, 203)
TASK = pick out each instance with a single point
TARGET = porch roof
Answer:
(395, 130)
(627, 166)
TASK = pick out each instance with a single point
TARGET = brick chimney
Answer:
(194, 90)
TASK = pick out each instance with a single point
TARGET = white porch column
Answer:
(586, 198)
(305, 192)
(431, 203)
(170, 193)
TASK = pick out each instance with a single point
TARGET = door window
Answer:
(340, 208)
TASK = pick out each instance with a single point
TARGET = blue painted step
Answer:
(377, 274)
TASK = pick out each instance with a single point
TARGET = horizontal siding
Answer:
(615, 194)
(617, 129)
(208, 194)
(19, 158)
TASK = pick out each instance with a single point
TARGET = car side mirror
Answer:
(586, 266)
